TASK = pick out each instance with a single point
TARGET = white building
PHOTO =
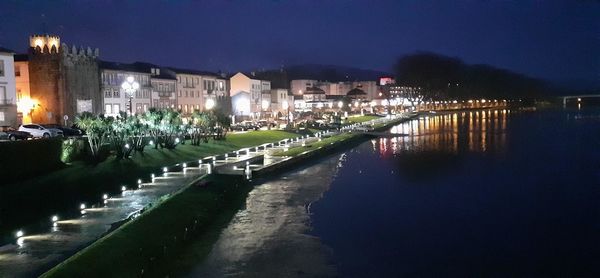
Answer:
(8, 96)
(252, 92)
(115, 98)
(194, 88)
(24, 102)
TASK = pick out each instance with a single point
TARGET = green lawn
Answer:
(360, 119)
(61, 191)
(315, 145)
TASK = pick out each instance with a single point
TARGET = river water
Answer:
(496, 193)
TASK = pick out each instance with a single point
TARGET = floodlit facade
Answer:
(8, 96)
(252, 88)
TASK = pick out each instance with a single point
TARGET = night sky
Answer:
(556, 40)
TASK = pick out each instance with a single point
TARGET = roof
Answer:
(139, 67)
(334, 97)
(314, 91)
(21, 57)
(190, 71)
(355, 92)
(6, 50)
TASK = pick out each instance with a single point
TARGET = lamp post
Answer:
(286, 106)
(130, 86)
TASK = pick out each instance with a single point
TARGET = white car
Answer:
(39, 131)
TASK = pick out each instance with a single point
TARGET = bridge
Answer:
(578, 97)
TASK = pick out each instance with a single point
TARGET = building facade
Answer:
(8, 95)
(252, 89)
(116, 100)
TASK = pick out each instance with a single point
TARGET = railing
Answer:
(6, 101)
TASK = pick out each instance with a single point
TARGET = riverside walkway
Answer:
(32, 254)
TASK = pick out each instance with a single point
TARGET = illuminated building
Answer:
(8, 96)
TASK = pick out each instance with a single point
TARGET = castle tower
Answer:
(64, 82)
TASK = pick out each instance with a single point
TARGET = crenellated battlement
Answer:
(50, 44)
(45, 43)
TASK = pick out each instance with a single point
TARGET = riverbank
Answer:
(118, 239)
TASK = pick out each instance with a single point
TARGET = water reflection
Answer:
(475, 131)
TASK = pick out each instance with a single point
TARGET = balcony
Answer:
(7, 101)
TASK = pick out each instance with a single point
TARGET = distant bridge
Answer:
(578, 97)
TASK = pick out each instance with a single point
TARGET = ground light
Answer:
(54, 218)
(19, 234)
(123, 188)
(105, 196)
(82, 206)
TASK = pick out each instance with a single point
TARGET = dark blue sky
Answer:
(547, 39)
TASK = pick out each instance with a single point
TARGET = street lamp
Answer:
(264, 105)
(130, 86)
(286, 107)
(210, 104)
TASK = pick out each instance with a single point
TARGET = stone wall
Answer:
(44, 80)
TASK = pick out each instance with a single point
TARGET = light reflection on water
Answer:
(476, 131)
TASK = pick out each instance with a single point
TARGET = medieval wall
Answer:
(81, 81)
(44, 80)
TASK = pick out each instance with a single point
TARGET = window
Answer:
(145, 107)
(107, 94)
(2, 119)
(17, 71)
(186, 94)
(107, 109)
(179, 95)
(1, 67)
(116, 94)
(116, 108)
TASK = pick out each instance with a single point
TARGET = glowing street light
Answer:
(130, 86)
(210, 104)
(54, 218)
(105, 196)
(82, 206)
(19, 233)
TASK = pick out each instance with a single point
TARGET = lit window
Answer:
(107, 109)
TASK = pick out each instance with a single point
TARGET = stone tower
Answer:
(63, 80)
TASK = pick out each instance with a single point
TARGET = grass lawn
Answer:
(153, 241)
(31, 201)
(360, 119)
(315, 145)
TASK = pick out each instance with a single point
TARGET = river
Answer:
(499, 193)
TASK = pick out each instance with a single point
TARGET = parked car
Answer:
(39, 131)
(9, 133)
(67, 131)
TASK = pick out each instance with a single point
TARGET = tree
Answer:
(96, 129)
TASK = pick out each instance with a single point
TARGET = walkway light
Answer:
(127, 146)
(19, 233)
(165, 170)
(54, 218)
(139, 181)
(105, 196)
(82, 206)
(123, 188)
(184, 165)
(151, 142)
(152, 176)
(177, 140)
